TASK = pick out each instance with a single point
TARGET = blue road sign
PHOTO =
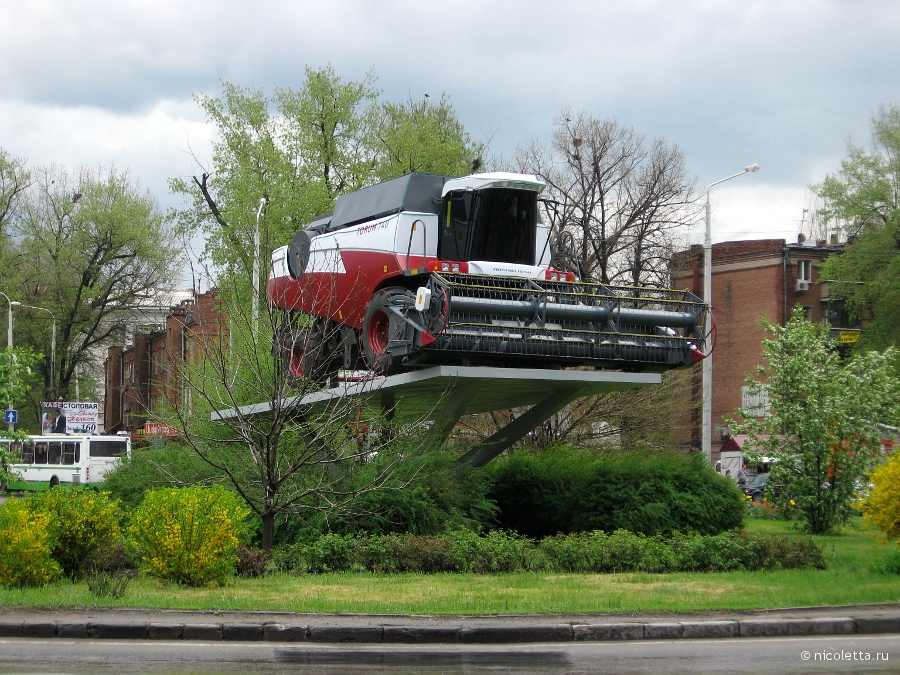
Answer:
(11, 416)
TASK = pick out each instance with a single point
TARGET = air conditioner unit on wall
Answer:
(802, 285)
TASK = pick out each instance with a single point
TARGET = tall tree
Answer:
(90, 244)
(286, 451)
(821, 428)
(300, 150)
(422, 136)
(619, 198)
(14, 181)
(863, 201)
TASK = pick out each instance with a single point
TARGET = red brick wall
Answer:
(748, 283)
(149, 371)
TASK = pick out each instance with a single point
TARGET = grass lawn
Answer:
(849, 579)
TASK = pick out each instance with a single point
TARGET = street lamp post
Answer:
(256, 262)
(9, 335)
(52, 350)
(707, 297)
(9, 344)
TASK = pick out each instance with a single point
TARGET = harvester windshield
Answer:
(497, 224)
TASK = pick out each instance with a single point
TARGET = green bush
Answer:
(497, 551)
(330, 553)
(588, 552)
(189, 535)
(723, 552)
(564, 490)
(394, 553)
(25, 558)
(155, 466)
(778, 552)
(81, 522)
(425, 494)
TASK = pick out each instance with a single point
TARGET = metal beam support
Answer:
(516, 430)
(456, 407)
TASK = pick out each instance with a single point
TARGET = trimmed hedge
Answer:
(563, 490)
(592, 552)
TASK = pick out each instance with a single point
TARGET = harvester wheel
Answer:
(375, 337)
(301, 355)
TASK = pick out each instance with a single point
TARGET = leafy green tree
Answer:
(863, 200)
(294, 457)
(421, 136)
(89, 246)
(15, 367)
(300, 150)
(821, 427)
(14, 180)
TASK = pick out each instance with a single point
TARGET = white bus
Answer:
(47, 461)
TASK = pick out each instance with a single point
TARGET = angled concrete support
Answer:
(443, 394)
(516, 430)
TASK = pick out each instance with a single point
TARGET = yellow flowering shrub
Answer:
(882, 506)
(81, 522)
(24, 546)
(189, 535)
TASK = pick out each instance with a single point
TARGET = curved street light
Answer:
(52, 350)
(11, 303)
(706, 421)
(9, 344)
(256, 262)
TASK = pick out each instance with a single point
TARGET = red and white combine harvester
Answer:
(427, 269)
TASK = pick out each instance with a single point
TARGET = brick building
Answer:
(140, 376)
(751, 280)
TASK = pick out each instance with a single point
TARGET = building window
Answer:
(807, 312)
(804, 270)
(755, 400)
(838, 316)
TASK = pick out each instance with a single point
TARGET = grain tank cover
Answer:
(417, 192)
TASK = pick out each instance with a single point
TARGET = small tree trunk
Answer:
(268, 530)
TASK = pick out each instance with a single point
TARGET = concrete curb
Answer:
(522, 632)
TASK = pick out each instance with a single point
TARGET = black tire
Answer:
(301, 356)
(54, 481)
(375, 335)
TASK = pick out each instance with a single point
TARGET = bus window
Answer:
(24, 451)
(40, 453)
(55, 453)
(115, 447)
(69, 451)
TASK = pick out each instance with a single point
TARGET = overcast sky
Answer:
(779, 83)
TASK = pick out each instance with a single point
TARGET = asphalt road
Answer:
(831, 654)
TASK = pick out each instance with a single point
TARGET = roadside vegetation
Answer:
(195, 548)
(854, 575)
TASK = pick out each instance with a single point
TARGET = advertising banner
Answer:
(69, 417)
